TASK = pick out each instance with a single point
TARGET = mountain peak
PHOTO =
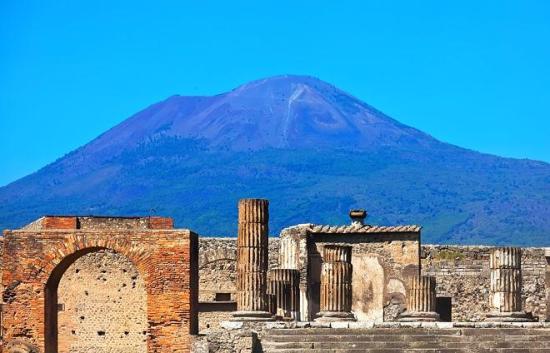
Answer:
(288, 111)
(281, 81)
(311, 148)
(285, 87)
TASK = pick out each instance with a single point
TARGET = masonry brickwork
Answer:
(37, 257)
(103, 306)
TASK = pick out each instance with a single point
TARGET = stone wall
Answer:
(217, 265)
(381, 262)
(104, 306)
(462, 274)
(218, 275)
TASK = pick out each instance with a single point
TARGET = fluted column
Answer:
(421, 298)
(336, 275)
(252, 245)
(284, 291)
(505, 287)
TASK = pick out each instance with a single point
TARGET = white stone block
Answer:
(361, 324)
(275, 324)
(339, 324)
(231, 325)
(428, 324)
(444, 325)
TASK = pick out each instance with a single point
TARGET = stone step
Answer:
(402, 345)
(417, 340)
(389, 350)
(415, 331)
(408, 338)
(419, 350)
(505, 331)
(366, 338)
(370, 331)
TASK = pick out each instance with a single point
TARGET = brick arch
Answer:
(35, 259)
(57, 269)
(82, 244)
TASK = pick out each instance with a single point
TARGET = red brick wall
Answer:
(161, 223)
(59, 222)
(167, 260)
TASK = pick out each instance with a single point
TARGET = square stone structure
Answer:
(382, 258)
(35, 258)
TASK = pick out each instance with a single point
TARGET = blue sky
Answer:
(472, 73)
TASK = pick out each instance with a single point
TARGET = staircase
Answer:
(413, 340)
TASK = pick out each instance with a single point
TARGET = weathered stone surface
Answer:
(36, 258)
(505, 294)
(104, 305)
(252, 259)
(218, 275)
(336, 290)
(505, 287)
(284, 292)
(420, 300)
(426, 339)
(463, 276)
(387, 254)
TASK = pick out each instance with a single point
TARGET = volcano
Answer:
(314, 150)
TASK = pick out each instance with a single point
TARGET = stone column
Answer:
(284, 290)
(252, 245)
(505, 289)
(420, 300)
(336, 292)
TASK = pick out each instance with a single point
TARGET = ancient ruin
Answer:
(336, 272)
(45, 310)
(505, 295)
(137, 285)
(252, 260)
(421, 300)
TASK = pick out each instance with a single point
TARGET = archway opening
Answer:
(96, 301)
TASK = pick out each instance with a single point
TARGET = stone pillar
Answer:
(336, 292)
(284, 290)
(252, 245)
(420, 300)
(505, 289)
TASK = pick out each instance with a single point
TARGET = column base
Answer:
(252, 316)
(331, 316)
(515, 316)
(423, 316)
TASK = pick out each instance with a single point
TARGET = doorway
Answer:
(444, 307)
(96, 303)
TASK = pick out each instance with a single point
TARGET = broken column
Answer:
(252, 247)
(421, 299)
(505, 289)
(284, 291)
(336, 292)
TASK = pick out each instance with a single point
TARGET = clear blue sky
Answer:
(473, 73)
